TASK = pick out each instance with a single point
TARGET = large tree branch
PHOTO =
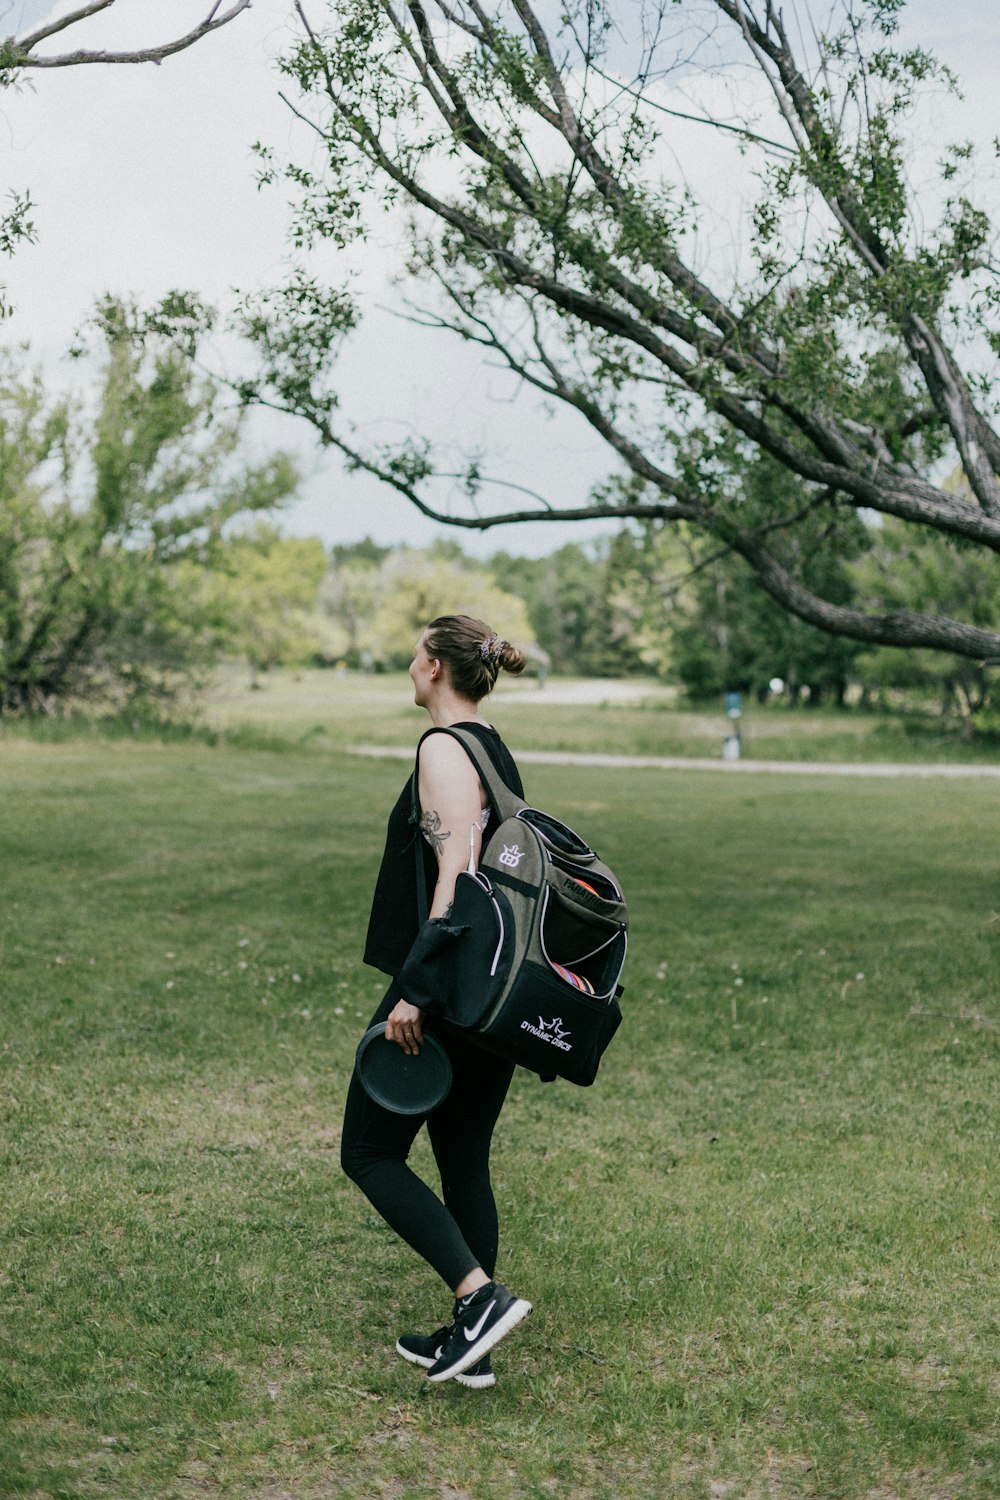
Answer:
(71, 652)
(35, 643)
(458, 115)
(565, 119)
(978, 444)
(902, 628)
(865, 484)
(20, 51)
(597, 510)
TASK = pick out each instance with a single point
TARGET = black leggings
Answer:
(462, 1232)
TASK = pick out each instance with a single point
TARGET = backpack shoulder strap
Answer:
(507, 803)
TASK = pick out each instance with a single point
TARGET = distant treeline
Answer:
(652, 602)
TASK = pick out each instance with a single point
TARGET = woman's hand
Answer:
(404, 1027)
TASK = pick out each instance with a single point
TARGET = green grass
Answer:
(763, 1249)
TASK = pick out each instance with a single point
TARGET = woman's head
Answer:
(471, 654)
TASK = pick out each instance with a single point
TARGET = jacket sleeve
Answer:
(427, 978)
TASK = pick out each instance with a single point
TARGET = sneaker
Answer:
(480, 1324)
(426, 1348)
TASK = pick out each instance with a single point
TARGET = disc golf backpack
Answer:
(527, 963)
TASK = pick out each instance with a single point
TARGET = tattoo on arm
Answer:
(430, 827)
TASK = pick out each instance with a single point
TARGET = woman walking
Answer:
(455, 666)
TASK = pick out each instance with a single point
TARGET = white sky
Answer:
(144, 181)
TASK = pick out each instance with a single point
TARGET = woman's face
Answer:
(422, 673)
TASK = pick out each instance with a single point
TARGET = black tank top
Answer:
(395, 921)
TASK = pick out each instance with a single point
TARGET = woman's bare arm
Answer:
(451, 813)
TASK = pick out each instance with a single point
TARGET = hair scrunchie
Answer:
(491, 648)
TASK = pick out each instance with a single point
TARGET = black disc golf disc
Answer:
(404, 1084)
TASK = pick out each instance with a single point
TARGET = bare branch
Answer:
(70, 19)
(505, 484)
(742, 131)
(478, 33)
(384, 471)
(21, 55)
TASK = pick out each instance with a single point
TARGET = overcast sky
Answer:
(144, 181)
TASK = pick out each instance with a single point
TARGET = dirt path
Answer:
(727, 767)
(587, 690)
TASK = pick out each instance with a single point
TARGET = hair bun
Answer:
(510, 659)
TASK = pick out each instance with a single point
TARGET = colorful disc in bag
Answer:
(404, 1084)
(576, 980)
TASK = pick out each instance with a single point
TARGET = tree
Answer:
(264, 594)
(105, 513)
(381, 610)
(367, 551)
(20, 54)
(549, 222)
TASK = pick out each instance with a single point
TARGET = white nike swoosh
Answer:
(473, 1333)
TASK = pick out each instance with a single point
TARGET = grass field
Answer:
(763, 1249)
